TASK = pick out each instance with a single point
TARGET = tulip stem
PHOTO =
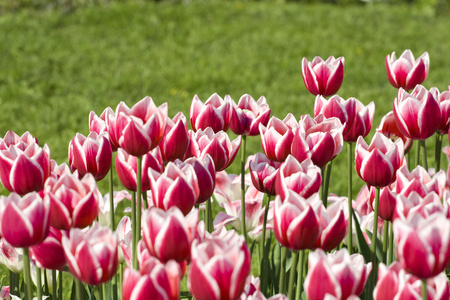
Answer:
(294, 262)
(424, 154)
(208, 216)
(264, 274)
(54, 285)
(46, 283)
(374, 238)
(39, 283)
(350, 199)
(134, 229)
(99, 289)
(14, 283)
(391, 245)
(385, 240)
(243, 157)
(300, 275)
(327, 183)
(424, 290)
(27, 273)
(80, 289)
(113, 225)
(139, 198)
(418, 153)
(283, 270)
(60, 285)
(437, 152)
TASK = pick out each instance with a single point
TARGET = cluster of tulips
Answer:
(392, 242)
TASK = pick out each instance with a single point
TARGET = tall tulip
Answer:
(362, 122)
(407, 72)
(176, 138)
(277, 137)
(215, 113)
(248, 114)
(323, 77)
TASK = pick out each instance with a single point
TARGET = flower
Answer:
(176, 138)
(362, 122)
(405, 72)
(50, 254)
(277, 137)
(248, 114)
(215, 113)
(444, 104)
(263, 172)
(323, 77)
(388, 127)
(11, 257)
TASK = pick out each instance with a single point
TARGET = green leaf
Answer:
(379, 246)
(361, 241)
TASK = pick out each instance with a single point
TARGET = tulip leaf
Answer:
(252, 247)
(361, 241)
(276, 263)
(379, 246)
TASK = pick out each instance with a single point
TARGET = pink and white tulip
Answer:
(215, 113)
(323, 77)
(388, 127)
(277, 137)
(248, 114)
(176, 138)
(407, 72)
(11, 257)
(263, 172)
(362, 122)
(50, 254)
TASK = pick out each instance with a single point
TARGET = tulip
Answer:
(296, 224)
(50, 254)
(139, 129)
(10, 257)
(264, 173)
(362, 122)
(302, 178)
(388, 127)
(74, 202)
(219, 267)
(248, 114)
(444, 104)
(5, 293)
(175, 187)
(104, 214)
(406, 72)
(323, 77)
(90, 155)
(418, 114)
(124, 236)
(59, 170)
(161, 281)
(338, 274)
(215, 113)
(252, 291)
(420, 181)
(168, 234)
(378, 162)
(228, 186)
(277, 137)
(176, 138)
(336, 107)
(25, 220)
(126, 167)
(425, 241)
(217, 145)
(24, 168)
(387, 203)
(11, 138)
(92, 254)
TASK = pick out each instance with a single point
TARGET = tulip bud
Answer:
(176, 138)
(248, 114)
(277, 137)
(214, 113)
(323, 77)
(406, 72)
(50, 254)
(264, 173)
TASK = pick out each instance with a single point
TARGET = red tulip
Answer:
(217, 145)
(248, 114)
(338, 274)
(277, 138)
(362, 123)
(176, 138)
(388, 127)
(378, 162)
(168, 234)
(323, 77)
(418, 114)
(90, 155)
(406, 72)
(296, 224)
(139, 129)
(92, 254)
(50, 254)
(215, 113)
(264, 173)
(74, 202)
(425, 241)
(219, 267)
(444, 104)
(25, 220)
(126, 167)
(24, 167)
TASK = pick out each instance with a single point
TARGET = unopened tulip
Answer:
(296, 224)
(98, 124)
(219, 267)
(444, 104)
(406, 72)
(50, 254)
(11, 138)
(338, 274)
(264, 173)
(92, 254)
(91, 154)
(248, 114)
(276, 138)
(388, 127)
(176, 138)
(168, 234)
(126, 167)
(387, 202)
(418, 114)
(323, 77)
(157, 280)
(24, 168)
(420, 181)
(425, 241)
(336, 107)
(217, 145)
(215, 113)
(378, 162)
(139, 129)
(74, 202)
(362, 122)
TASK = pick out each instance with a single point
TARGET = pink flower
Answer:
(92, 254)
(336, 107)
(217, 145)
(277, 138)
(139, 129)
(406, 72)
(215, 113)
(176, 138)
(11, 138)
(90, 155)
(248, 114)
(444, 104)
(425, 241)
(50, 254)
(168, 234)
(338, 274)
(74, 202)
(388, 127)
(362, 122)
(11, 257)
(418, 114)
(98, 124)
(323, 77)
(420, 181)
(378, 162)
(264, 173)
(219, 267)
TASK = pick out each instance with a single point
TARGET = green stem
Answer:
(60, 285)
(80, 289)
(208, 216)
(145, 199)
(139, 198)
(39, 283)
(294, 261)
(424, 154)
(243, 157)
(263, 233)
(417, 153)
(437, 151)
(300, 275)
(27, 273)
(350, 199)
(391, 245)
(46, 284)
(99, 289)
(409, 160)
(327, 184)
(14, 283)
(113, 225)
(283, 270)
(424, 290)
(54, 286)
(385, 240)
(374, 239)
(134, 229)
(264, 275)
(322, 173)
